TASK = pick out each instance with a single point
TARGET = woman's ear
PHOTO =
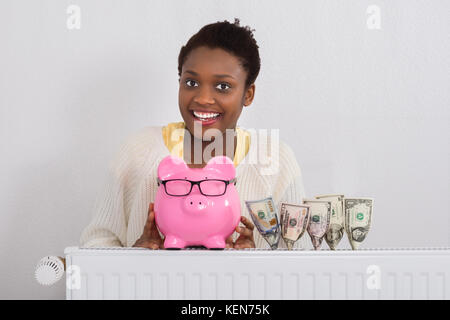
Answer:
(249, 95)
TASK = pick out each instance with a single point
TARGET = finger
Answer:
(244, 232)
(247, 223)
(153, 245)
(151, 207)
(149, 224)
(145, 243)
(229, 242)
(244, 244)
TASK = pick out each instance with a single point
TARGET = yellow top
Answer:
(173, 136)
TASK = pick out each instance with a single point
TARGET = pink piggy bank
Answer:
(198, 206)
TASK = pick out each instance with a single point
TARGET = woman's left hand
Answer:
(245, 239)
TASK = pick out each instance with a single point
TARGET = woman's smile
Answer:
(205, 117)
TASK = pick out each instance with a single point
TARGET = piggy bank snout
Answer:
(196, 203)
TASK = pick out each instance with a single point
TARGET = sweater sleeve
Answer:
(108, 227)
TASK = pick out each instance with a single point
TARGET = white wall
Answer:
(366, 111)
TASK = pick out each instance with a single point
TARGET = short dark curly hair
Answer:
(231, 37)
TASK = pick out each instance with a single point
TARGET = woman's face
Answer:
(212, 90)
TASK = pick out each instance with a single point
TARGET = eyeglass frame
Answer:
(227, 182)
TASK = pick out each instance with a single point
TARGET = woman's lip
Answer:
(208, 122)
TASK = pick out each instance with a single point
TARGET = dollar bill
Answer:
(337, 221)
(358, 217)
(294, 219)
(265, 218)
(319, 220)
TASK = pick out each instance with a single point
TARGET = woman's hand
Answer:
(245, 239)
(150, 237)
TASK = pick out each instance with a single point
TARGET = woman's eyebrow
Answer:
(216, 75)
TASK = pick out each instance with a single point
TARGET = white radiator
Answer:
(135, 273)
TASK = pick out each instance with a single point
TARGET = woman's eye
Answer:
(190, 81)
(223, 86)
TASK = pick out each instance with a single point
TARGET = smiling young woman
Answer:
(217, 69)
(212, 93)
(212, 89)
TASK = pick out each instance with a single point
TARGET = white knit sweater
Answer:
(121, 211)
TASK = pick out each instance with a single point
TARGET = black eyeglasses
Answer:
(208, 187)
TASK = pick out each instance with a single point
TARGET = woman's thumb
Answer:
(150, 218)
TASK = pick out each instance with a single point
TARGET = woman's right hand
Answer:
(150, 237)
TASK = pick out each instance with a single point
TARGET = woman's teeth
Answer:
(206, 115)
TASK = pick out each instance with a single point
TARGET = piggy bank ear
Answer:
(222, 166)
(170, 166)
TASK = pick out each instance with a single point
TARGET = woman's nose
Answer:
(204, 97)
